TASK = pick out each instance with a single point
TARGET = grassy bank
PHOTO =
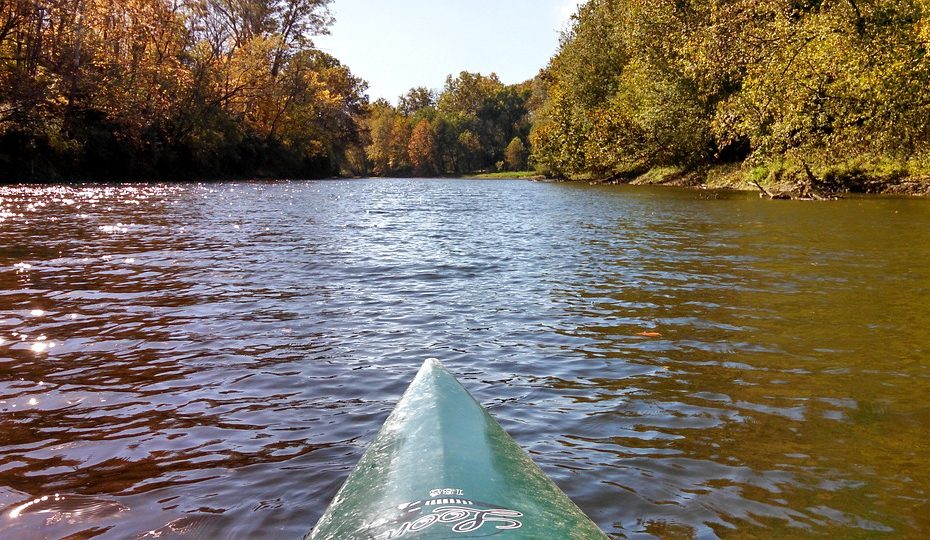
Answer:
(792, 178)
(506, 175)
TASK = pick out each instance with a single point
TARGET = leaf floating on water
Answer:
(649, 334)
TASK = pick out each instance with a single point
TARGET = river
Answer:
(211, 360)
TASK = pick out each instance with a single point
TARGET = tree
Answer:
(846, 78)
(468, 93)
(515, 155)
(416, 100)
(643, 84)
(398, 160)
(109, 87)
(422, 149)
(491, 114)
(380, 128)
(468, 150)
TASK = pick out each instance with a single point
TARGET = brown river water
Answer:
(210, 361)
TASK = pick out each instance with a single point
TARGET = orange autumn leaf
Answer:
(649, 334)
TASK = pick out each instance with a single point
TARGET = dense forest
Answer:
(475, 124)
(142, 88)
(830, 90)
(221, 88)
(835, 90)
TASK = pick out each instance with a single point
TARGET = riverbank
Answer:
(509, 175)
(788, 180)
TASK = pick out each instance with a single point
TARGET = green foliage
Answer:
(417, 100)
(507, 175)
(659, 175)
(468, 127)
(468, 94)
(230, 87)
(558, 135)
(515, 155)
(849, 77)
(699, 82)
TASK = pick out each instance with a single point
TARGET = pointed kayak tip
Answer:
(432, 363)
(431, 369)
(441, 467)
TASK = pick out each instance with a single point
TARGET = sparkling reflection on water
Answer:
(211, 360)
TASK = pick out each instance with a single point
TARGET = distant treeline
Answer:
(130, 88)
(475, 124)
(782, 83)
(155, 88)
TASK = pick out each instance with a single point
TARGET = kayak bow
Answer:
(441, 467)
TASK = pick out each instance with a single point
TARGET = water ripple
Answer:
(211, 360)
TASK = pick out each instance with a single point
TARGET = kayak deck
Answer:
(441, 467)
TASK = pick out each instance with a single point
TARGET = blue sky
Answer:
(398, 44)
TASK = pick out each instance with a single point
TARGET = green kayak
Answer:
(441, 467)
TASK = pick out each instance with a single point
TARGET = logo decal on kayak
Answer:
(449, 509)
